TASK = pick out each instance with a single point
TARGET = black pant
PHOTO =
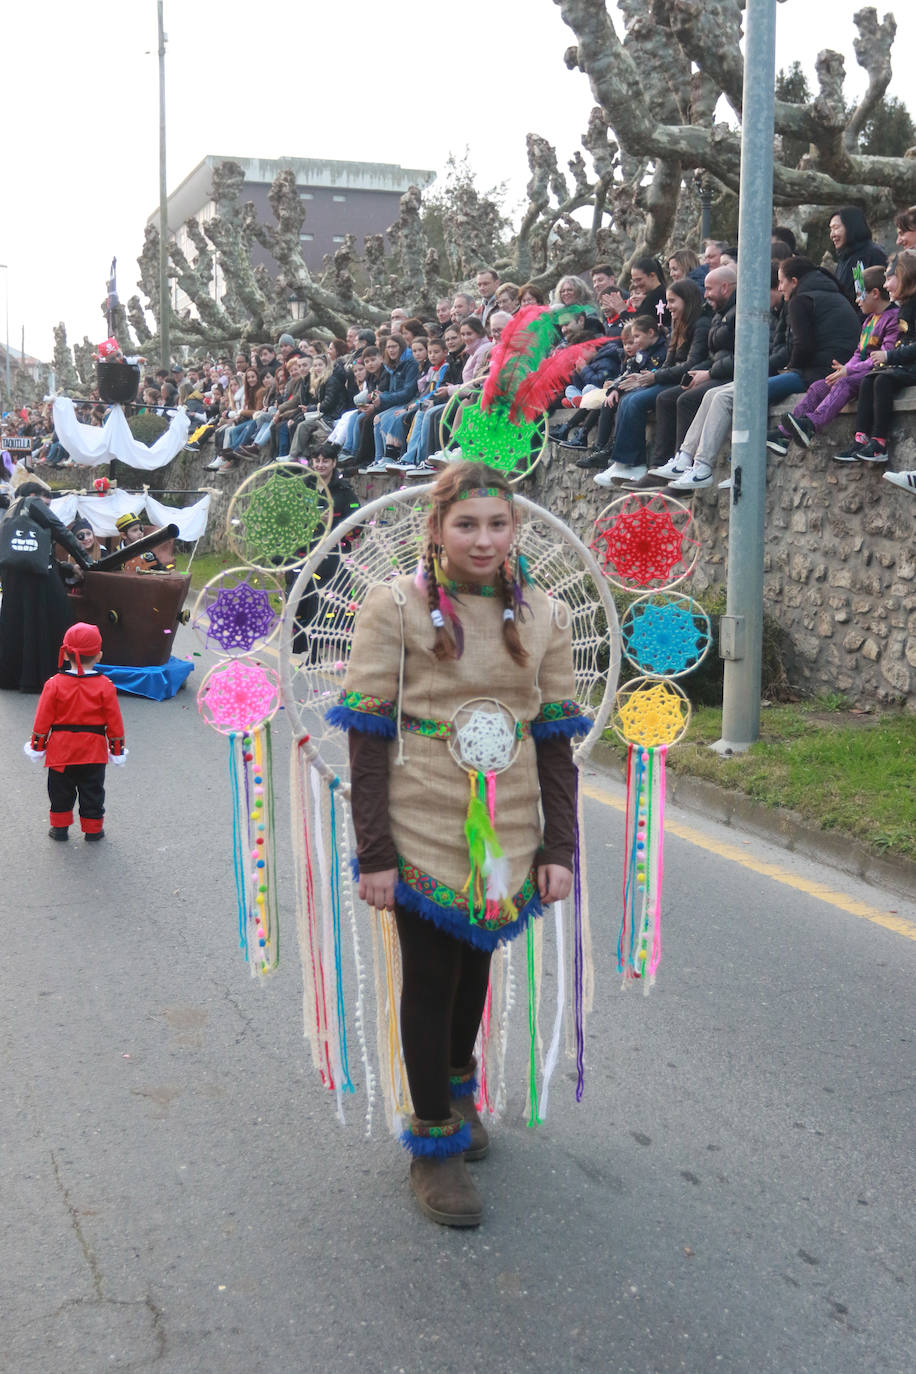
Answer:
(85, 779)
(675, 411)
(876, 400)
(442, 1001)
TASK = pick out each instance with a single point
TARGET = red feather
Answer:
(526, 341)
(538, 389)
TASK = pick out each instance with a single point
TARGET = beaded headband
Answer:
(485, 491)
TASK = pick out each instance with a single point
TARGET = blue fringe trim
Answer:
(456, 922)
(437, 1147)
(345, 718)
(551, 729)
(464, 1089)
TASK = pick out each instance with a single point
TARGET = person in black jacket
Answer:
(343, 504)
(687, 348)
(676, 406)
(35, 611)
(822, 325)
(333, 399)
(891, 372)
(853, 243)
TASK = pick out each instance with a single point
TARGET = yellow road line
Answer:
(898, 924)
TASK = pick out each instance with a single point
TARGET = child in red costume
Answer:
(77, 730)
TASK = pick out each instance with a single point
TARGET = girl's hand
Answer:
(554, 883)
(377, 889)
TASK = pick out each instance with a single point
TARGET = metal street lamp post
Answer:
(741, 629)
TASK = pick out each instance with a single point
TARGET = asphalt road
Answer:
(735, 1192)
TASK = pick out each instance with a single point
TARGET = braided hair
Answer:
(448, 487)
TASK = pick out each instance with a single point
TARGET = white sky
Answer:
(362, 81)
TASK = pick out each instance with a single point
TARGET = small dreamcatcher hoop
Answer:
(651, 712)
(645, 542)
(485, 736)
(665, 634)
(237, 610)
(275, 514)
(239, 695)
(488, 436)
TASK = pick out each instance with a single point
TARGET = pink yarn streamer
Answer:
(660, 850)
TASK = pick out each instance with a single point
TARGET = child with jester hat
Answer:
(77, 730)
(465, 640)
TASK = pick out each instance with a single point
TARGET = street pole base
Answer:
(728, 746)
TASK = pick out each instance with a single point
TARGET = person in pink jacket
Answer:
(824, 400)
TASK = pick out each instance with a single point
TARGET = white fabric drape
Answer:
(89, 445)
(103, 512)
(191, 520)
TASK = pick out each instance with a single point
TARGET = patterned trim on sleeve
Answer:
(560, 718)
(356, 711)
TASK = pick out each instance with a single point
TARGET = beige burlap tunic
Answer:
(394, 675)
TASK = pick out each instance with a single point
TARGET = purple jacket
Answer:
(884, 336)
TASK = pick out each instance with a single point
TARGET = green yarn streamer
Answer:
(481, 839)
(534, 1119)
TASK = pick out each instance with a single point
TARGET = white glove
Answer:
(119, 760)
(33, 754)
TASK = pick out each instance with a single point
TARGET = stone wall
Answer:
(840, 553)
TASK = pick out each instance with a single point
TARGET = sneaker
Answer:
(777, 442)
(905, 480)
(380, 465)
(604, 479)
(577, 439)
(422, 470)
(215, 466)
(444, 457)
(625, 471)
(799, 426)
(875, 451)
(597, 458)
(726, 485)
(59, 832)
(560, 433)
(695, 479)
(674, 466)
(92, 835)
(403, 465)
(851, 454)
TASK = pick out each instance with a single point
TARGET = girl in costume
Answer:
(464, 669)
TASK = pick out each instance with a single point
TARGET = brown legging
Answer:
(442, 1001)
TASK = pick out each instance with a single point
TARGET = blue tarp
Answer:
(156, 683)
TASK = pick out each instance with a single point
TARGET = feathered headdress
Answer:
(525, 374)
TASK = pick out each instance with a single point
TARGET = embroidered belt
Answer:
(444, 729)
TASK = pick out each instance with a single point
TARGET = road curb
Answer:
(778, 825)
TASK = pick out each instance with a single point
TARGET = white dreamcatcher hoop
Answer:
(315, 639)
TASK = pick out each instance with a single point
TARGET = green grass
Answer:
(843, 772)
(206, 566)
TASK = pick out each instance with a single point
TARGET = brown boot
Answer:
(445, 1190)
(462, 1090)
(439, 1176)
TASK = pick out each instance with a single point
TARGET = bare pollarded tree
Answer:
(630, 189)
(658, 88)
